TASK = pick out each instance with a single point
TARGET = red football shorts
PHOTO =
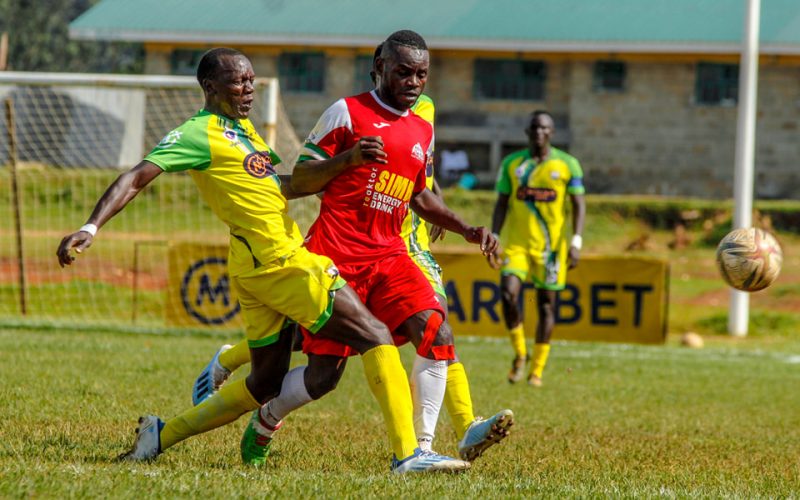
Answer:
(393, 289)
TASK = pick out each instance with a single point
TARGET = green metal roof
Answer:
(677, 26)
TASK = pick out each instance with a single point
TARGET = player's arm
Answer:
(578, 218)
(288, 191)
(498, 219)
(436, 232)
(119, 194)
(432, 208)
(311, 176)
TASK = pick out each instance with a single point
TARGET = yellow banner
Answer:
(616, 299)
(199, 291)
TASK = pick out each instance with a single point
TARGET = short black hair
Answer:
(537, 113)
(209, 63)
(377, 53)
(406, 38)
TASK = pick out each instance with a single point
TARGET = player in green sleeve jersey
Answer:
(529, 215)
(234, 171)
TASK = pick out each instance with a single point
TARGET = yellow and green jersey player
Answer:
(233, 169)
(532, 186)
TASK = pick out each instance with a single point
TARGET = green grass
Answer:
(612, 420)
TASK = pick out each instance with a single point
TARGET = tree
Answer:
(38, 39)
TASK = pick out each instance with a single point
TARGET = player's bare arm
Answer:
(288, 191)
(432, 208)
(311, 176)
(436, 232)
(119, 194)
(498, 218)
(578, 218)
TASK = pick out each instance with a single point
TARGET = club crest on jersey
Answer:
(170, 139)
(417, 153)
(258, 164)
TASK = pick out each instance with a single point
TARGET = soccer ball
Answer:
(749, 259)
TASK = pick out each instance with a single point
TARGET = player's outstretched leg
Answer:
(147, 445)
(211, 378)
(482, 434)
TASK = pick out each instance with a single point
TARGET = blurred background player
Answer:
(529, 215)
(475, 435)
(234, 170)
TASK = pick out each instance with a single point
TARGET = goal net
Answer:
(72, 135)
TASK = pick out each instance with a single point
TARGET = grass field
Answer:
(612, 420)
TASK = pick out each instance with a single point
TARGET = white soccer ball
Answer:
(749, 259)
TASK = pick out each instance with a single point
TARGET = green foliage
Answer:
(762, 323)
(611, 421)
(38, 36)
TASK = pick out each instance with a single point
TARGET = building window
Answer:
(717, 84)
(609, 76)
(509, 79)
(185, 61)
(302, 71)
(362, 80)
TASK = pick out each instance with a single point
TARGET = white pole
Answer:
(745, 153)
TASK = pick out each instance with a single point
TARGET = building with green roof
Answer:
(644, 91)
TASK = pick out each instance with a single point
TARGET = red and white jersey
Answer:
(363, 207)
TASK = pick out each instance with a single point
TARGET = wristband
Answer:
(496, 236)
(577, 241)
(89, 228)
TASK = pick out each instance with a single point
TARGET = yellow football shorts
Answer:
(430, 268)
(300, 287)
(547, 271)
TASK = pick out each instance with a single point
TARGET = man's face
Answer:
(540, 131)
(231, 90)
(401, 75)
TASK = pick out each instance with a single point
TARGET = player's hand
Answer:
(368, 149)
(79, 241)
(494, 259)
(574, 256)
(437, 233)
(483, 237)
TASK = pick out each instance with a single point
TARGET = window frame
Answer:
(716, 78)
(294, 73)
(600, 78)
(517, 84)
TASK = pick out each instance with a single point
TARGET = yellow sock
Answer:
(517, 335)
(231, 402)
(388, 382)
(236, 356)
(540, 354)
(458, 400)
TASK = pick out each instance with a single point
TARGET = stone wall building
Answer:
(644, 93)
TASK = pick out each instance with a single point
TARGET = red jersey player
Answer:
(368, 153)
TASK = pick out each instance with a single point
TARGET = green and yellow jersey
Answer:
(413, 231)
(537, 194)
(234, 171)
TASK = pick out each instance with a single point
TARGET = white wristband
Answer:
(89, 228)
(577, 241)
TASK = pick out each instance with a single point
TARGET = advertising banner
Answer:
(616, 299)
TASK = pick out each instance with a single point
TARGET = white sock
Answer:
(293, 396)
(428, 382)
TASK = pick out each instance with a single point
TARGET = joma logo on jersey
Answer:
(258, 164)
(536, 194)
(206, 293)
